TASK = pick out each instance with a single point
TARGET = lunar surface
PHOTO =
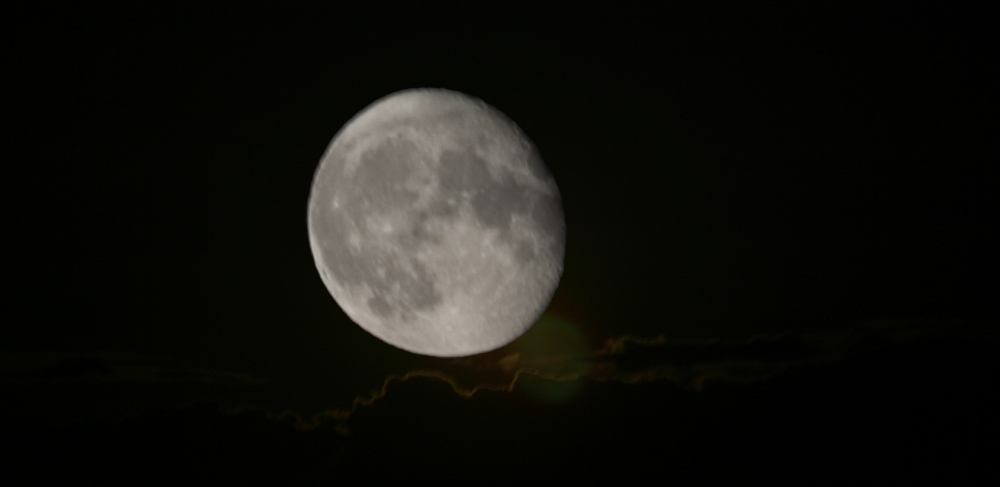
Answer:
(435, 224)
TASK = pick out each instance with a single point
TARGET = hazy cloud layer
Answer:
(107, 368)
(819, 404)
(66, 386)
(628, 359)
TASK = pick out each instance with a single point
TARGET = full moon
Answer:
(435, 224)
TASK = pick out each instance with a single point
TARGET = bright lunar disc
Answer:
(435, 224)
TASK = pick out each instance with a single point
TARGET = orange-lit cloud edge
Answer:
(607, 364)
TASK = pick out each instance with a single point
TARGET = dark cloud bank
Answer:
(879, 404)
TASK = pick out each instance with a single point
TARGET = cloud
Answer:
(625, 359)
(375, 395)
(632, 359)
(641, 403)
(628, 359)
(107, 368)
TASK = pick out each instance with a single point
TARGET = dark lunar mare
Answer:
(495, 200)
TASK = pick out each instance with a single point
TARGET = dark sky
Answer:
(781, 243)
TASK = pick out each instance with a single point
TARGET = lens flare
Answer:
(553, 357)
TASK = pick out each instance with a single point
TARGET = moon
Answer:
(435, 224)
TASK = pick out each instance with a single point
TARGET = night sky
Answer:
(780, 266)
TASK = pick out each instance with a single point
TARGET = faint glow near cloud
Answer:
(554, 349)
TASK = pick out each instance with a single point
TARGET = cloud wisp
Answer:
(625, 359)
